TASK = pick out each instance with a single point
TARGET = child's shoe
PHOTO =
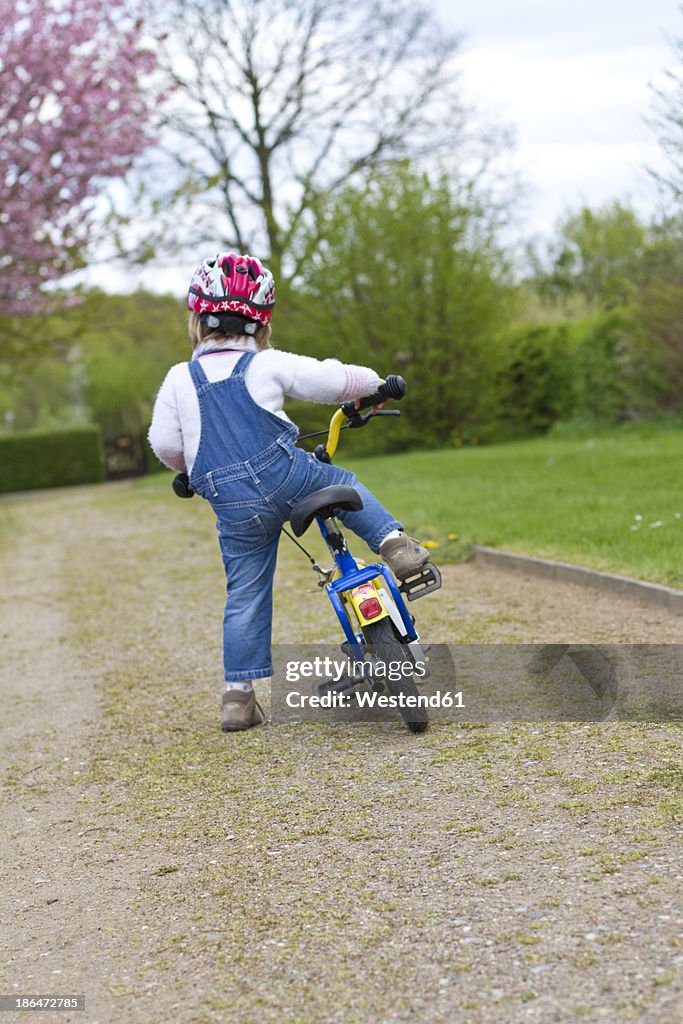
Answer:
(403, 555)
(240, 710)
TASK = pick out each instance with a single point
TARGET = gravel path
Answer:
(310, 873)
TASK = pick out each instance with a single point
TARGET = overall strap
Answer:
(199, 378)
(242, 365)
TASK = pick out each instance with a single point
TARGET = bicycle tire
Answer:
(385, 645)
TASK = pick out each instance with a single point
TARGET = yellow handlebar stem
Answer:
(333, 433)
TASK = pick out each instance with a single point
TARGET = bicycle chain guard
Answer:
(424, 582)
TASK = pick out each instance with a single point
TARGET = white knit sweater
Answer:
(271, 376)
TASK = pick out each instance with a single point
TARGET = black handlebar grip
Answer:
(394, 387)
(181, 486)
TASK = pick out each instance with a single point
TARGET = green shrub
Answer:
(34, 460)
(535, 382)
(594, 369)
(610, 372)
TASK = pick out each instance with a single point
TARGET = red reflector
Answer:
(370, 608)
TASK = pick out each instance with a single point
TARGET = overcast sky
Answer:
(573, 78)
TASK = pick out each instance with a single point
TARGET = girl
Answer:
(220, 419)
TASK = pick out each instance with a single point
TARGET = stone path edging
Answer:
(565, 572)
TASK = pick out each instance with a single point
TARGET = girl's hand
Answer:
(375, 408)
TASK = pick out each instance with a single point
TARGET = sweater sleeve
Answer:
(165, 433)
(327, 380)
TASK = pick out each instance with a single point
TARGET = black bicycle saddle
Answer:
(326, 502)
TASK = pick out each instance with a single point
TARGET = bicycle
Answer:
(379, 630)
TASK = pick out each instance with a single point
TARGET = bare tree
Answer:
(667, 122)
(273, 103)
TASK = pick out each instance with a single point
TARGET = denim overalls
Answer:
(250, 470)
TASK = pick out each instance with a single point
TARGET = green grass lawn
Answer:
(611, 499)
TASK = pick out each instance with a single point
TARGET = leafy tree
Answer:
(660, 310)
(596, 255)
(73, 111)
(405, 273)
(274, 105)
(109, 356)
(127, 344)
(608, 259)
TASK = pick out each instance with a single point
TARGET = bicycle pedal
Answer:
(423, 582)
(344, 685)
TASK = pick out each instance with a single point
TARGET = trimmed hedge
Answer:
(38, 459)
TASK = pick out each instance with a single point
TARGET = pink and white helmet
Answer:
(233, 284)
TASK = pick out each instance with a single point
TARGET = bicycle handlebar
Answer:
(181, 486)
(393, 387)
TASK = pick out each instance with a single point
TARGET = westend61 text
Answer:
(324, 668)
(371, 699)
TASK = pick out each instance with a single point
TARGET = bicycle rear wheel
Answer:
(386, 647)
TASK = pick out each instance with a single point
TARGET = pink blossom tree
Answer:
(73, 114)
